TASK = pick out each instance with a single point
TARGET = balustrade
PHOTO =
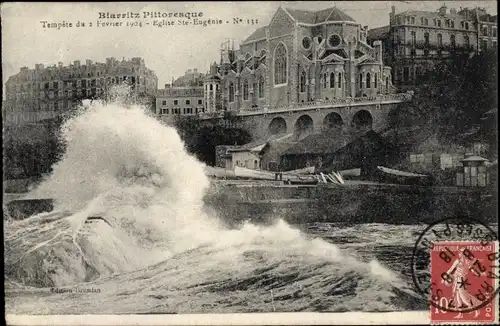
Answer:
(320, 104)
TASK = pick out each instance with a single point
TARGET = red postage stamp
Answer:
(464, 282)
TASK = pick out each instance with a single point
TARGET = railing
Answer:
(377, 99)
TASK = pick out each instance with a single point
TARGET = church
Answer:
(300, 57)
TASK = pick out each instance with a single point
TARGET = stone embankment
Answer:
(360, 202)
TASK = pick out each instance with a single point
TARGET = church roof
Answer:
(315, 17)
(258, 34)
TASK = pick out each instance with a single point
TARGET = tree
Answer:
(453, 97)
(201, 140)
(230, 119)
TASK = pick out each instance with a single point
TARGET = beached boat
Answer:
(289, 177)
(402, 177)
(254, 174)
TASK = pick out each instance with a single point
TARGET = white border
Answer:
(299, 318)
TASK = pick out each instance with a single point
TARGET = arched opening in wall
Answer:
(362, 121)
(277, 126)
(333, 122)
(303, 127)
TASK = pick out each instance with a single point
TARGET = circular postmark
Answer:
(455, 264)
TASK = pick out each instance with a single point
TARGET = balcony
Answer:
(320, 104)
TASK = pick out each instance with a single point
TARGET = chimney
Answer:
(392, 14)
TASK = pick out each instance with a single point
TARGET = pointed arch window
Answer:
(303, 81)
(387, 85)
(375, 82)
(231, 92)
(332, 80)
(324, 80)
(245, 90)
(360, 80)
(368, 80)
(261, 87)
(339, 80)
(280, 64)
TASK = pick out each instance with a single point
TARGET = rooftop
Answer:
(258, 34)
(332, 14)
(378, 33)
(325, 142)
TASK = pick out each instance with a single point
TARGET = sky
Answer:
(171, 50)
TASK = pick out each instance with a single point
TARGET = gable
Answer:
(281, 23)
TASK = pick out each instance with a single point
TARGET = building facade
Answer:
(300, 57)
(46, 92)
(172, 101)
(185, 96)
(415, 40)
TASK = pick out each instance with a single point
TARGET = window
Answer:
(452, 41)
(466, 40)
(176, 102)
(306, 43)
(421, 20)
(439, 22)
(280, 64)
(211, 87)
(303, 81)
(387, 84)
(440, 40)
(406, 73)
(426, 21)
(245, 90)
(413, 38)
(412, 20)
(452, 23)
(484, 45)
(188, 102)
(200, 102)
(494, 32)
(375, 82)
(261, 87)
(360, 80)
(466, 25)
(339, 80)
(368, 80)
(231, 92)
(485, 30)
(332, 80)
(426, 38)
(334, 40)
(324, 80)
(164, 102)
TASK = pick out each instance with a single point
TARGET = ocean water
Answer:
(158, 249)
